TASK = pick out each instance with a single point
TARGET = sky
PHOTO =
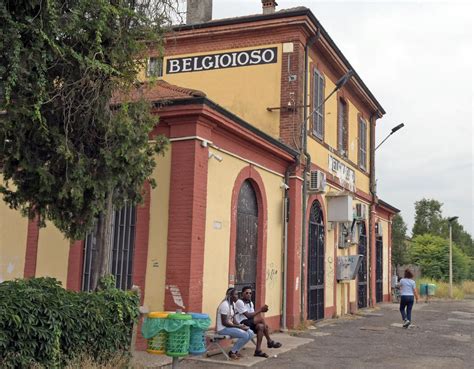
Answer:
(416, 58)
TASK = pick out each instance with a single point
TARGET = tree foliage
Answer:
(431, 253)
(428, 218)
(67, 154)
(63, 147)
(399, 240)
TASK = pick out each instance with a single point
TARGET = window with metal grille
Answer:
(362, 143)
(123, 242)
(318, 98)
(342, 127)
(154, 67)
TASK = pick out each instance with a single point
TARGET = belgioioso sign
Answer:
(221, 61)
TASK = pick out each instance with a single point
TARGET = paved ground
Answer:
(441, 337)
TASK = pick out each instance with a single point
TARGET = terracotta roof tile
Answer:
(156, 91)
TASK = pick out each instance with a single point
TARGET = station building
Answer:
(264, 182)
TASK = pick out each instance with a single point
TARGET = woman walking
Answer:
(408, 294)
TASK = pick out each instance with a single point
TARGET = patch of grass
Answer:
(468, 287)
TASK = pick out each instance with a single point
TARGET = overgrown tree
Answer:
(399, 241)
(428, 218)
(431, 253)
(68, 156)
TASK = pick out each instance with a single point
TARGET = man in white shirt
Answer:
(247, 315)
(225, 324)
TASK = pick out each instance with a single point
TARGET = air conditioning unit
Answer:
(379, 229)
(317, 181)
(361, 211)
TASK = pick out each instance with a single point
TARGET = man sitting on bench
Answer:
(247, 315)
(225, 324)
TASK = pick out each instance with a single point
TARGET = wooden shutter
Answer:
(318, 98)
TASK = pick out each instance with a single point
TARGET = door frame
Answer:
(365, 261)
(324, 259)
(251, 174)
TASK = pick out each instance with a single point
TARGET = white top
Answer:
(225, 309)
(407, 287)
(242, 307)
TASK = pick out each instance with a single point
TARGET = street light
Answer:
(394, 129)
(339, 84)
(450, 221)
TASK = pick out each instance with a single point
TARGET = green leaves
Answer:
(42, 323)
(65, 147)
(432, 254)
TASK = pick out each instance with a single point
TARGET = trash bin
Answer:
(178, 327)
(423, 289)
(431, 288)
(154, 330)
(197, 341)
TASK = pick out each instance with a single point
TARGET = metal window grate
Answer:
(123, 241)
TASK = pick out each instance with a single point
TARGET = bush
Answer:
(42, 323)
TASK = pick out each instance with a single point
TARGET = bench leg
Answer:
(208, 354)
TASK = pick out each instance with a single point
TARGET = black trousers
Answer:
(406, 304)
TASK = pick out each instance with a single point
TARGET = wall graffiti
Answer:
(330, 267)
(271, 275)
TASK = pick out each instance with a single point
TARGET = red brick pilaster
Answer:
(142, 230)
(373, 257)
(75, 266)
(187, 220)
(31, 248)
(292, 92)
(293, 295)
(389, 262)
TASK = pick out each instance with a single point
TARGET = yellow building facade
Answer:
(268, 180)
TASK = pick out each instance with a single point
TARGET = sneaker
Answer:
(406, 324)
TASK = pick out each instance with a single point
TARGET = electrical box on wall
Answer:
(340, 209)
(347, 267)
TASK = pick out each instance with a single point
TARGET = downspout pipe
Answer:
(373, 192)
(306, 169)
(286, 217)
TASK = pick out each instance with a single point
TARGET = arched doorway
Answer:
(246, 250)
(316, 263)
(362, 273)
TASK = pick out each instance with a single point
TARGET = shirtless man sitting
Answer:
(246, 314)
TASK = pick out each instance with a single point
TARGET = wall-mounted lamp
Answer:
(394, 129)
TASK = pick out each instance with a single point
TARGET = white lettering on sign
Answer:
(345, 174)
(223, 60)
(173, 66)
